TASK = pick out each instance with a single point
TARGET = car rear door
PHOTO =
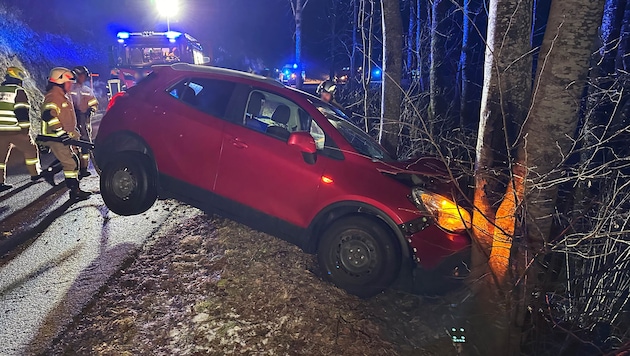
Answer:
(190, 116)
(260, 170)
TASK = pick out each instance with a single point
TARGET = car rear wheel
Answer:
(359, 255)
(128, 183)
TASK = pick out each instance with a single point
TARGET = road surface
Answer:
(55, 255)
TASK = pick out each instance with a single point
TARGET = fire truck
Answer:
(136, 52)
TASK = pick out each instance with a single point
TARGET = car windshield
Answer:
(359, 139)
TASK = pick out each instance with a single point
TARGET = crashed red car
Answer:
(283, 162)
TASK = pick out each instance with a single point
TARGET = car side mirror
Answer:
(306, 144)
(304, 141)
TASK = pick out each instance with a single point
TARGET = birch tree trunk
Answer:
(392, 74)
(504, 105)
(563, 68)
(543, 143)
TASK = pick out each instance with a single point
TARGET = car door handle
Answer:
(236, 142)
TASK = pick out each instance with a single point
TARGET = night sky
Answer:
(256, 29)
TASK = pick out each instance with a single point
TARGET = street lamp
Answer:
(167, 8)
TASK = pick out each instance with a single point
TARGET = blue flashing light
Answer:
(295, 65)
(376, 73)
(287, 72)
(171, 35)
(123, 35)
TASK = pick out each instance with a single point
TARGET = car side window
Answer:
(210, 96)
(271, 114)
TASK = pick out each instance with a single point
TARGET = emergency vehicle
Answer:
(131, 59)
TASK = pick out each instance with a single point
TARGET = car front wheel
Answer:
(128, 183)
(359, 255)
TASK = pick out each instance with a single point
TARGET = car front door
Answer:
(192, 118)
(260, 170)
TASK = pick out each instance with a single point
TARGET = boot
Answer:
(83, 172)
(76, 193)
(5, 186)
(49, 173)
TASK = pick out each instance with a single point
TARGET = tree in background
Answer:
(392, 74)
(297, 8)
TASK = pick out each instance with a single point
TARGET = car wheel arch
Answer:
(341, 210)
(120, 142)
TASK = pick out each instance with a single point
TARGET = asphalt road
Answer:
(55, 255)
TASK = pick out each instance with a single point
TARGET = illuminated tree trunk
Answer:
(504, 105)
(543, 142)
(392, 74)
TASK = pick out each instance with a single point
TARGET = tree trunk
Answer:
(392, 74)
(504, 105)
(464, 113)
(333, 38)
(298, 7)
(355, 44)
(298, 31)
(623, 61)
(422, 19)
(410, 40)
(438, 87)
(543, 142)
(571, 31)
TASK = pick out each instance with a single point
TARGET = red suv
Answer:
(283, 162)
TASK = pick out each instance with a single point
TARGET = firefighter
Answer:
(85, 105)
(59, 120)
(15, 125)
(326, 91)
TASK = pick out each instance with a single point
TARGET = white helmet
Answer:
(327, 86)
(60, 75)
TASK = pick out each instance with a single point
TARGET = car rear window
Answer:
(210, 96)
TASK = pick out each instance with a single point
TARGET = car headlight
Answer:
(447, 214)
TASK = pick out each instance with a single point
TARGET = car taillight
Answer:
(112, 101)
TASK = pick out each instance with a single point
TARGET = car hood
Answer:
(427, 172)
(425, 166)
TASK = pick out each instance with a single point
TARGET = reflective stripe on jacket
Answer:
(12, 97)
(58, 115)
(83, 98)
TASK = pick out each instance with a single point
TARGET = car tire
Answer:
(128, 183)
(360, 255)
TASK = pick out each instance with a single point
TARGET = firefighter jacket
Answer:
(58, 115)
(14, 108)
(83, 98)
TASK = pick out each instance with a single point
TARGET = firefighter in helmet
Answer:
(85, 105)
(326, 91)
(59, 120)
(15, 125)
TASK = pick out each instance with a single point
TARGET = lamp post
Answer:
(167, 8)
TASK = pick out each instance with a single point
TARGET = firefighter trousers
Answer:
(23, 142)
(67, 157)
(84, 122)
